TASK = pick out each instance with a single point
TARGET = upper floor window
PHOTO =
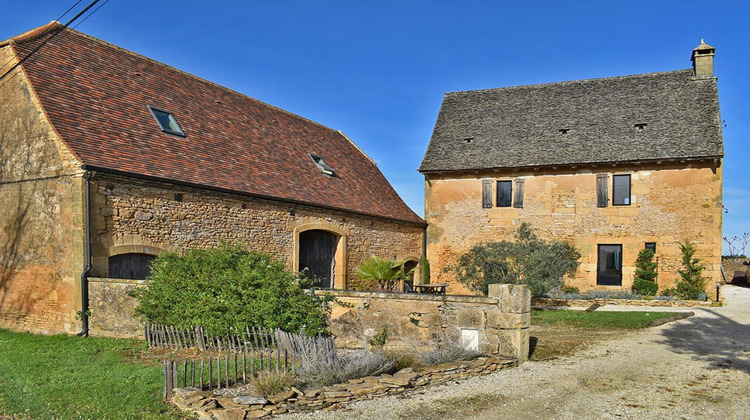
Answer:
(621, 190)
(504, 191)
(506, 194)
(167, 121)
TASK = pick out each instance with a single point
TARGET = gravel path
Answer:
(695, 368)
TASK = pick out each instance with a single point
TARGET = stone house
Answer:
(611, 165)
(109, 158)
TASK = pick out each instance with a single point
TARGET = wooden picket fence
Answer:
(236, 358)
(225, 369)
(197, 337)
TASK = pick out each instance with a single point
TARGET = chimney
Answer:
(703, 61)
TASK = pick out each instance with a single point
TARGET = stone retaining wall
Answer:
(210, 405)
(112, 308)
(499, 323)
(632, 302)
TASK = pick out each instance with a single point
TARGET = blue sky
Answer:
(377, 70)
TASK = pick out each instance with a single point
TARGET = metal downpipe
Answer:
(84, 275)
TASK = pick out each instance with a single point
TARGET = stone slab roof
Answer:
(96, 96)
(645, 117)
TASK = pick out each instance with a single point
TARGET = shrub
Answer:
(383, 271)
(691, 283)
(445, 354)
(228, 288)
(270, 382)
(644, 281)
(378, 340)
(570, 290)
(538, 263)
(425, 270)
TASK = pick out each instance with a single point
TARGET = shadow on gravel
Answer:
(721, 341)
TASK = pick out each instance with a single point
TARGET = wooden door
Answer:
(317, 249)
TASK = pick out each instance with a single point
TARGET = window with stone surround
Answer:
(621, 190)
(504, 193)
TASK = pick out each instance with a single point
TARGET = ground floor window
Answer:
(609, 265)
(134, 266)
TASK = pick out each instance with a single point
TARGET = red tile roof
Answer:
(96, 96)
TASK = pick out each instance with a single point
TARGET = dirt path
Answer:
(695, 368)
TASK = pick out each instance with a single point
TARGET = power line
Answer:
(43, 43)
(58, 19)
(90, 14)
(67, 11)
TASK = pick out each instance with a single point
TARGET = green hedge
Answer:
(225, 288)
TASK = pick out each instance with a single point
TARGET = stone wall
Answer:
(420, 322)
(41, 236)
(132, 215)
(112, 308)
(669, 203)
(214, 405)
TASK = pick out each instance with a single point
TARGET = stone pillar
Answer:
(513, 319)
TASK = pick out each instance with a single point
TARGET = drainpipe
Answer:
(84, 275)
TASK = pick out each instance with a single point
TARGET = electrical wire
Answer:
(90, 14)
(43, 43)
(68, 11)
(58, 19)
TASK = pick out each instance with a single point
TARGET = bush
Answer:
(644, 282)
(383, 271)
(691, 283)
(228, 288)
(538, 263)
(270, 382)
(445, 354)
(570, 290)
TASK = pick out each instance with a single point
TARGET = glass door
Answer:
(609, 265)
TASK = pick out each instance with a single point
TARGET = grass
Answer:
(70, 377)
(558, 333)
(582, 319)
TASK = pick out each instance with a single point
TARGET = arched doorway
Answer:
(317, 251)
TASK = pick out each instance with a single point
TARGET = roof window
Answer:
(166, 121)
(322, 165)
(564, 130)
(640, 126)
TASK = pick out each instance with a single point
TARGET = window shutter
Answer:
(518, 198)
(602, 194)
(487, 193)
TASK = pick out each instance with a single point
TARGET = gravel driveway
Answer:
(695, 368)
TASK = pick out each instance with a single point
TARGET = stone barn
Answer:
(109, 158)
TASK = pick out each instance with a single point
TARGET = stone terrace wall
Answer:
(112, 308)
(419, 322)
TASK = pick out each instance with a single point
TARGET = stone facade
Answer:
(130, 215)
(416, 322)
(670, 202)
(41, 236)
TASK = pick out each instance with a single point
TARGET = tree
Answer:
(691, 283)
(228, 288)
(644, 282)
(538, 263)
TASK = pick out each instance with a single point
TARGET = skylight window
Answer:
(322, 165)
(166, 121)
